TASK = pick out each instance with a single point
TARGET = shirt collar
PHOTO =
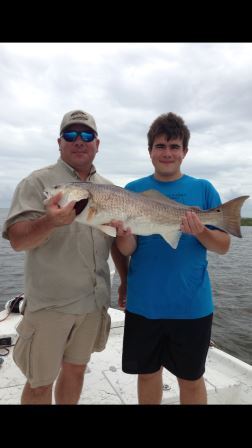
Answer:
(74, 172)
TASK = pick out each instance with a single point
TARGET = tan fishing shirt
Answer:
(69, 272)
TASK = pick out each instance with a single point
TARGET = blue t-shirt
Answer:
(167, 283)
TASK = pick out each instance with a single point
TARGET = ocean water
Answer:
(231, 277)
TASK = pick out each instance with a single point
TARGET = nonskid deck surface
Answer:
(228, 380)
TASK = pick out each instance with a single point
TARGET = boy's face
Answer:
(167, 156)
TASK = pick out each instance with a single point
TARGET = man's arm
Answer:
(27, 235)
(214, 240)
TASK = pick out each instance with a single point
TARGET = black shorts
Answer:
(179, 345)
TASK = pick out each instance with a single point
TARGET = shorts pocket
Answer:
(102, 332)
(22, 349)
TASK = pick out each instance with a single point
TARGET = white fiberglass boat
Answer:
(228, 380)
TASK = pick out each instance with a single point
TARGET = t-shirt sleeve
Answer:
(212, 197)
(27, 204)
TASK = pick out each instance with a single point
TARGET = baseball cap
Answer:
(78, 117)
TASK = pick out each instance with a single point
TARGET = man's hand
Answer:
(59, 216)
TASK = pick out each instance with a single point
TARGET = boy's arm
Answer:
(121, 264)
(123, 246)
(125, 240)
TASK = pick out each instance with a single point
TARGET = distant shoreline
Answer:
(246, 221)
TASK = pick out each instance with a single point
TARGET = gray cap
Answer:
(78, 117)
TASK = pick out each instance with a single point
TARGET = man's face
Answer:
(167, 156)
(78, 154)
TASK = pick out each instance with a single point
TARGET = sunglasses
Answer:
(71, 136)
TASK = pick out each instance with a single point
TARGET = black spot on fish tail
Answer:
(80, 205)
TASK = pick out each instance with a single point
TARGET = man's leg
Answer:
(69, 383)
(192, 392)
(36, 395)
(150, 387)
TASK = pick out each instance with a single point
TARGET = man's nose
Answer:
(79, 139)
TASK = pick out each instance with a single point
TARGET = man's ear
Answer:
(97, 144)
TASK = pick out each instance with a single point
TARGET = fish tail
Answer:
(232, 215)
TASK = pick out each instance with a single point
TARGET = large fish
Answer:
(145, 213)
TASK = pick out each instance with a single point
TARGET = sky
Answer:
(125, 86)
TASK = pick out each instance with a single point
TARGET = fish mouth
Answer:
(80, 205)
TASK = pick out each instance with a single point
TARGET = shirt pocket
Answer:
(103, 332)
(22, 349)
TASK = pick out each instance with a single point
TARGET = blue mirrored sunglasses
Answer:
(71, 136)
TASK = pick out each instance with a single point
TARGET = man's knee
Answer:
(39, 391)
(73, 369)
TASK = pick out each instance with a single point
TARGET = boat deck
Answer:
(228, 380)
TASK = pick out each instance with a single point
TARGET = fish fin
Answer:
(109, 230)
(172, 236)
(154, 194)
(91, 213)
(231, 215)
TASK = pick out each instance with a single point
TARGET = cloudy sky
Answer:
(126, 86)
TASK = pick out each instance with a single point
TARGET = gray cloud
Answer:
(126, 86)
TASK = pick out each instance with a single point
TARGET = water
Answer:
(231, 277)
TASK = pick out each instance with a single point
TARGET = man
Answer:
(67, 277)
(169, 302)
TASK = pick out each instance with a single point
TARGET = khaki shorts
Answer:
(46, 338)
